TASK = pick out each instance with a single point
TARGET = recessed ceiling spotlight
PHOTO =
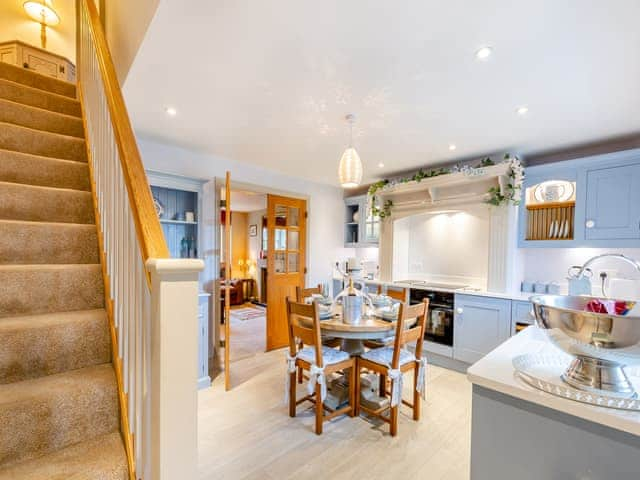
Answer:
(484, 52)
(452, 147)
(522, 110)
(380, 165)
(172, 112)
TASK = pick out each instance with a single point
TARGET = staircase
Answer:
(59, 401)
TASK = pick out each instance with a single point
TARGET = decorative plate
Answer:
(553, 191)
(543, 372)
(158, 206)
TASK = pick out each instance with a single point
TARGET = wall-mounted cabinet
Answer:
(589, 202)
(361, 228)
(613, 203)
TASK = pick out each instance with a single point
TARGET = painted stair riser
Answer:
(46, 414)
(44, 204)
(39, 345)
(39, 98)
(33, 289)
(23, 243)
(17, 167)
(40, 119)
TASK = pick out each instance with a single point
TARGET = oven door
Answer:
(439, 326)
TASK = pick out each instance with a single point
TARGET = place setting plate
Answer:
(544, 371)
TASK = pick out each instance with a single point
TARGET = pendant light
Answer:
(350, 169)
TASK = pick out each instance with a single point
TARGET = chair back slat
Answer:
(309, 331)
(407, 312)
(303, 293)
(397, 294)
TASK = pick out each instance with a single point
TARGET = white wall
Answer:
(451, 247)
(126, 24)
(325, 203)
(16, 25)
(551, 264)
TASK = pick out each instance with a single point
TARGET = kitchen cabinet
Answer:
(204, 380)
(613, 203)
(521, 316)
(603, 213)
(361, 228)
(480, 325)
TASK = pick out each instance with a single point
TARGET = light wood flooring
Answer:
(247, 434)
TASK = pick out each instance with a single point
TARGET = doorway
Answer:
(247, 313)
(266, 255)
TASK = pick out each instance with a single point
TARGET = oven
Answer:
(439, 327)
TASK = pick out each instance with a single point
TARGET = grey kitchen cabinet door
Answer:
(480, 325)
(613, 203)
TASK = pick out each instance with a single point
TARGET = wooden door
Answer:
(286, 261)
(227, 276)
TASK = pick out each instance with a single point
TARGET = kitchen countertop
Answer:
(496, 372)
(519, 296)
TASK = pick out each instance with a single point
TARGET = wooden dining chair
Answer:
(394, 362)
(318, 360)
(302, 294)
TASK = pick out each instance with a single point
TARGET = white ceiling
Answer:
(269, 82)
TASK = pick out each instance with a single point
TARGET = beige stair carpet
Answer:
(59, 407)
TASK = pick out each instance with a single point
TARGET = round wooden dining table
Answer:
(353, 335)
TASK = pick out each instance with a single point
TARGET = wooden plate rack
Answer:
(548, 221)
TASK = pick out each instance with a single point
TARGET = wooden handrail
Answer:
(147, 224)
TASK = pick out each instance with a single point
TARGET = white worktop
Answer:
(495, 371)
(520, 296)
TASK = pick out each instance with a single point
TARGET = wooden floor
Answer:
(247, 434)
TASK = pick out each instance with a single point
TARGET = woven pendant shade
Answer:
(350, 169)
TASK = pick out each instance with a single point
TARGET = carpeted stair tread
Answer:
(18, 167)
(36, 80)
(40, 119)
(33, 289)
(37, 142)
(48, 413)
(28, 202)
(39, 98)
(100, 458)
(38, 345)
(24, 242)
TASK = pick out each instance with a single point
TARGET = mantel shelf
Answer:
(448, 180)
(449, 189)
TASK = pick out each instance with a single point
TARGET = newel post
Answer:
(174, 359)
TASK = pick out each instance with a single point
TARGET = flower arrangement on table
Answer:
(510, 193)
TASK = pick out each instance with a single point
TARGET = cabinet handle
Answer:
(590, 224)
(459, 310)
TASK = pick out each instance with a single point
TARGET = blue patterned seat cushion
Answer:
(384, 355)
(329, 355)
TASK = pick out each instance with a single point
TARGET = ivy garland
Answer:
(511, 193)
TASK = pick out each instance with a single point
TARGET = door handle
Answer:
(590, 224)
(459, 310)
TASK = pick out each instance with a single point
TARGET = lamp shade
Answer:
(41, 13)
(350, 169)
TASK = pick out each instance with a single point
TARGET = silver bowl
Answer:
(602, 344)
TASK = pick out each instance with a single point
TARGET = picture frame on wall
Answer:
(253, 230)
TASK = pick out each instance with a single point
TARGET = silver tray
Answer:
(543, 371)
